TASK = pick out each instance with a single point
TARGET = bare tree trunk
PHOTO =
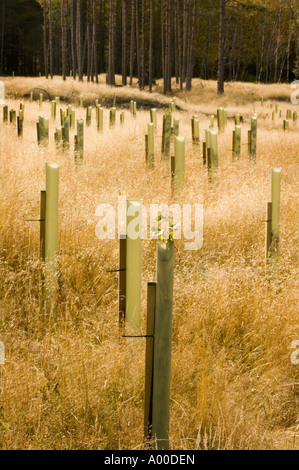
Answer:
(2, 38)
(88, 42)
(137, 42)
(72, 6)
(111, 55)
(132, 42)
(185, 39)
(162, 40)
(51, 38)
(124, 43)
(220, 86)
(45, 39)
(142, 45)
(79, 41)
(63, 39)
(190, 66)
(168, 65)
(151, 31)
(94, 40)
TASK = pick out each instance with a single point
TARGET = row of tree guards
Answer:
(210, 152)
(159, 293)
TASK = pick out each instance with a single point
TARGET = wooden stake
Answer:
(151, 145)
(275, 215)
(179, 168)
(42, 224)
(149, 359)
(122, 280)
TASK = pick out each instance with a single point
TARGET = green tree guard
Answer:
(151, 145)
(166, 135)
(79, 142)
(162, 345)
(133, 272)
(237, 143)
(112, 116)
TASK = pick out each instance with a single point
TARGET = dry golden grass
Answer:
(69, 381)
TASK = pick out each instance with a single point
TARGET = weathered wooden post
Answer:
(237, 119)
(149, 360)
(286, 124)
(133, 272)
(237, 143)
(179, 169)
(206, 148)
(81, 104)
(268, 231)
(146, 148)
(41, 99)
(42, 221)
(122, 281)
(20, 123)
(275, 214)
(151, 144)
(162, 346)
(204, 152)
(213, 157)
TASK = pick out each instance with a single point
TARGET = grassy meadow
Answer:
(70, 381)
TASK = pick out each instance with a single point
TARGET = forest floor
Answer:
(69, 380)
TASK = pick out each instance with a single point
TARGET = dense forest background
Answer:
(251, 40)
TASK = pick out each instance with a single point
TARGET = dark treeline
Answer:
(247, 40)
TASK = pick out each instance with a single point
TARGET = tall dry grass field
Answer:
(70, 381)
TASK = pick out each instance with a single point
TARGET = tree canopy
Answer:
(150, 39)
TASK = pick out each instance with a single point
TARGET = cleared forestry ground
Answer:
(70, 381)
